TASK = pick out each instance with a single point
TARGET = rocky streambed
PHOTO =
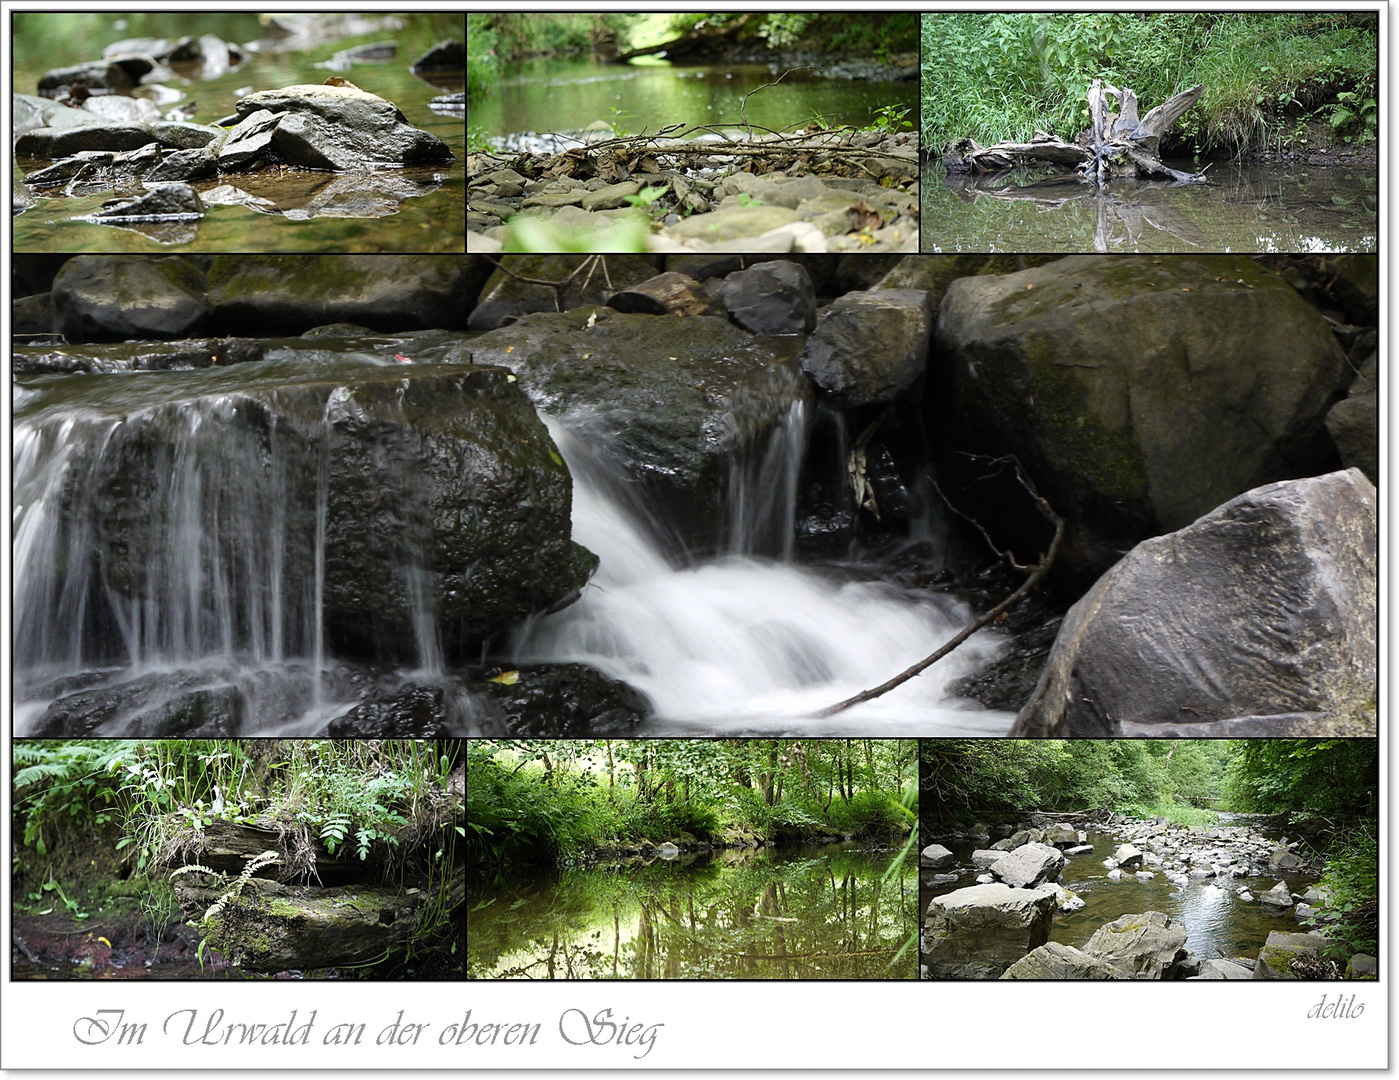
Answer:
(1107, 897)
(729, 191)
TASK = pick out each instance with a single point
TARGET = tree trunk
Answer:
(1119, 146)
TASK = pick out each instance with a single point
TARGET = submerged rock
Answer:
(1258, 619)
(184, 355)
(164, 202)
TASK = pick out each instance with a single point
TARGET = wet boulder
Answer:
(680, 406)
(1061, 835)
(1277, 899)
(870, 346)
(428, 503)
(106, 297)
(1054, 960)
(1138, 393)
(1028, 866)
(449, 55)
(248, 141)
(1354, 423)
(1261, 618)
(982, 930)
(341, 128)
(558, 700)
(411, 711)
(771, 298)
(182, 355)
(290, 294)
(936, 857)
(1146, 946)
(503, 298)
(119, 73)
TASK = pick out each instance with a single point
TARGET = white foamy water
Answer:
(739, 645)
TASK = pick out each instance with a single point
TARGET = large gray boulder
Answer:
(983, 929)
(341, 128)
(1277, 899)
(673, 404)
(290, 294)
(1138, 393)
(1127, 855)
(1029, 865)
(1144, 946)
(114, 297)
(441, 504)
(936, 857)
(870, 346)
(1258, 619)
(771, 298)
(1054, 960)
(1280, 951)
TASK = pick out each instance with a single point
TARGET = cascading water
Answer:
(740, 644)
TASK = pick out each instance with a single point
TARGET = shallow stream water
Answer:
(1217, 922)
(568, 95)
(417, 210)
(1244, 208)
(823, 912)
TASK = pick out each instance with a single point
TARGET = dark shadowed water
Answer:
(409, 210)
(1244, 208)
(799, 913)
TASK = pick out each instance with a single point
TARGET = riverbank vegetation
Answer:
(1269, 78)
(1328, 790)
(556, 802)
(111, 838)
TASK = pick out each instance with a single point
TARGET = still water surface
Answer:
(824, 912)
(1245, 208)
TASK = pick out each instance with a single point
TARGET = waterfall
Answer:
(741, 644)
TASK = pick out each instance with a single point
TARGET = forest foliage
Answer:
(554, 801)
(1266, 75)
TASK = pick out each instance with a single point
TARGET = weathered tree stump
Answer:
(664, 294)
(1118, 145)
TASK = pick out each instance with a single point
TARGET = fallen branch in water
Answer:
(1038, 572)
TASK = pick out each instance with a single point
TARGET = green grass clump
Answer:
(1004, 76)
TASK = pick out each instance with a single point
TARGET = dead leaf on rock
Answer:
(863, 216)
(648, 164)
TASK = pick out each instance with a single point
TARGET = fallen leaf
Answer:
(863, 216)
(649, 164)
(510, 348)
(506, 678)
(1029, 286)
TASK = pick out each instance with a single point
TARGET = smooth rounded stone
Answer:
(1054, 960)
(1115, 874)
(22, 198)
(1127, 855)
(102, 297)
(343, 126)
(1280, 950)
(69, 141)
(1184, 630)
(610, 197)
(1278, 898)
(1144, 875)
(1363, 966)
(733, 224)
(1222, 969)
(123, 110)
(772, 298)
(248, 141)
(504, 298)
(98, 74)
(1144, 946)
(183, 165)
(185, 136)
(1138, 393)
(449, 55)
(936, 857)
(983, 929)
(386, 292)
(174, 201)
(1354, 423)
(1029, 865)
(798, 236)
(871, 347)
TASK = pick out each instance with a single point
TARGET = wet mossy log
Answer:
(270, 927)
(1117, 146)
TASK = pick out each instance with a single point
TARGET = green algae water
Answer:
(827, 912)
(412, 210)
